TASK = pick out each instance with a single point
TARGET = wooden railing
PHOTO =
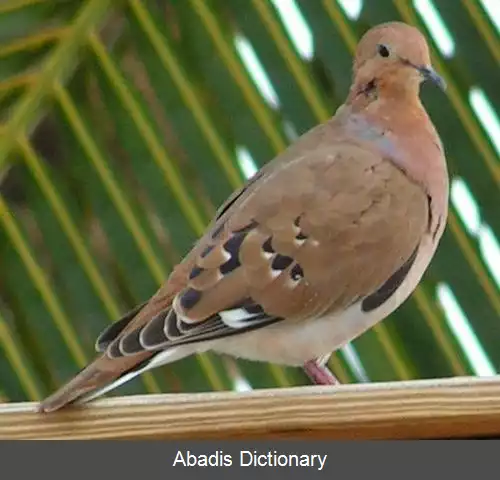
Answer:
(450, 408)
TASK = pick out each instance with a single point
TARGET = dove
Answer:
(322, 243)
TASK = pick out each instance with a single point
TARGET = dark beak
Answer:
(428, 73)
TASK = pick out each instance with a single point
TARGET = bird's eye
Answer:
(383, 51)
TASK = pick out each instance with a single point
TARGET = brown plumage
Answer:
(322, 243)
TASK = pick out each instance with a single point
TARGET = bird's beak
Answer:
(428, 73)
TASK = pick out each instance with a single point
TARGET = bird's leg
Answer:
(319, 373)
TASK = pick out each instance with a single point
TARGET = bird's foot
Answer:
(319, 373)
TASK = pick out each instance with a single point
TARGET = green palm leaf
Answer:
(123, 125)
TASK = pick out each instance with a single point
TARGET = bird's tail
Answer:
(97, 378)
(105, 374)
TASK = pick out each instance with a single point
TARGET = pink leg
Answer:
(319, 373)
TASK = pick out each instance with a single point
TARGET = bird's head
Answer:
(393, 57)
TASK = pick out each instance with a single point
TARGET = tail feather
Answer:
(122, 379)
(97, 378)
(105, 374)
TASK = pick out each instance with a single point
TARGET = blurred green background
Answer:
(124, 124)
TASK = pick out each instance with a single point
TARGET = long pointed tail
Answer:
(99, 377)
(105, 374)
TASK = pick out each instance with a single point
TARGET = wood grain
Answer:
(448, 408)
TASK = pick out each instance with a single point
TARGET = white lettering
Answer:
(179, 458)
(192, 459)
(322, 461)
(217, 459)
(254, 458)
(249, 454)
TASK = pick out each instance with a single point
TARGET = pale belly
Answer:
(294, 344)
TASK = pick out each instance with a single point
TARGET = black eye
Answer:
(383, 51)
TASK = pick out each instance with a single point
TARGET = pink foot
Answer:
(320, 374)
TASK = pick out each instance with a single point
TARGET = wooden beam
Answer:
(449, 408)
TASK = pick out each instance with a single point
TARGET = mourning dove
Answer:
(322, 243)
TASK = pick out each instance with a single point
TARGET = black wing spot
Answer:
(376, 299)
(232, 246)
(296, 272)
(301, 236)
(267, 246)
(190, 298)
(196, 271)
(280, 262)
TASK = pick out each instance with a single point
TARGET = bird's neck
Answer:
(396, 125)
(376, 93)
(392, 84)
(389, 111)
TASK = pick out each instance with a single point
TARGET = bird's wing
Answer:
(316, 234)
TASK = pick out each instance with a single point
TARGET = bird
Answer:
(322, 243)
